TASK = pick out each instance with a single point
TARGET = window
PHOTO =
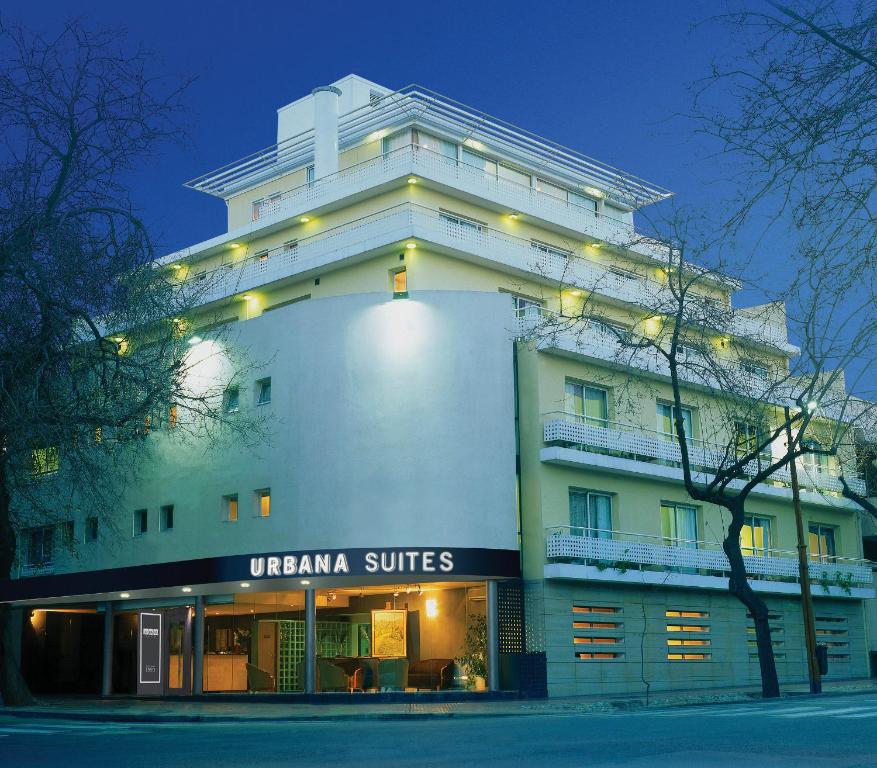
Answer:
(749, 437)
(91, 529)
(513, 175)
(39, 547)
(543, 250)
(262, 258)
(679, 525)
(230, 507)
(688, 641)
(397, 141)
(525, 307)
(479, 161)
(290, 250)
(263, 391)
(754, 369)
(434, 144)
(141, 522)
(263, 502)
(68, 531)
(589, 404)
(590, 514)
(821, 543)
(598, 632)
(310, 174)
(755, 536)
(166, 517)
(814, 462)
(231, 400)
(667, 421)
(461, 226)
(616, 333)
(399, 279)
(553, 190)
(44, 461)
(583, 201)
(266, 206)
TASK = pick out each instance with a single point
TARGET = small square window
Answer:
(141, 522)
(67, 532)
(231, 401)
(263, 502)
(263, 391)
(91, 529)
(167, 517)
(230, 507)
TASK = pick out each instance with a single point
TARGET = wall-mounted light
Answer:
(431, 608)
(124, 595)
(411, 246)
(234, 245)
(596, 246)
(412, 180)
(304, 219)
(513, 216)
(187, 589)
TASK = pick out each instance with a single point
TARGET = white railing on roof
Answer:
(587, 433)
(414, 105)
(624, 551)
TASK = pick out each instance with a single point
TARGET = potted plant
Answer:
(474, 658)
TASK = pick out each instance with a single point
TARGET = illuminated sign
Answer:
(358, 562)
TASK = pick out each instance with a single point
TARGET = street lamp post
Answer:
(803, 569)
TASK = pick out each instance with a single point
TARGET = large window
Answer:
(749, 437)
(435, 144)
(679, 525)
(755, 536)
(590, 514)
(814, 462)
(667, 421)
(44, 461)
(589, 404)
(39, 545)
(821, 541)
(525, 307)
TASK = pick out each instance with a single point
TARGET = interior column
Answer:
(310, 661)
(107, 671)
(493, 635)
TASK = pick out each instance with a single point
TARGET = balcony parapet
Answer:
(615, 554)
(626, 440)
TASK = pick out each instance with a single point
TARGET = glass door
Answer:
(178, 651)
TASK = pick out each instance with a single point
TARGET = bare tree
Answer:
(96, 361)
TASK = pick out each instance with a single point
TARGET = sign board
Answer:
(149, 651)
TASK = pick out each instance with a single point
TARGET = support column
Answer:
(493, 636)
(310, 661)
(198, 647)
(107, 672)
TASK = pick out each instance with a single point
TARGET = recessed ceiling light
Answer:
(305, 219)
(187, 589)
(235, 245)
(245, 584)
(412, 180)
(410, 246)
(513, 216)
(305, 582)
(125, 595)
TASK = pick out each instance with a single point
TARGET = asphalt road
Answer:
(802, 732)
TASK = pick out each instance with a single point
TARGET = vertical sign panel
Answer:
(150, 648)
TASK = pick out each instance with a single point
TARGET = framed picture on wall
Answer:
(389, 633)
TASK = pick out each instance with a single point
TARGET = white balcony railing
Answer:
(624, 552)
(414, 160)
(626, 440)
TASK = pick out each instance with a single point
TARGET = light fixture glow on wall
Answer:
(431, 608)
(187, 589)
(245, 584)
(410, 246)
(234, 245)
(412, 180)
(125, 595)
(305, 219)
(305, 582)
(513, 216)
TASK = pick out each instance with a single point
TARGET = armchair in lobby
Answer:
(331, 677)
(393, 674)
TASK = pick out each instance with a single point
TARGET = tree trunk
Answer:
(738, 585)
(13, 688)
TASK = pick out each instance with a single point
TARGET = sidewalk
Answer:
(217, 710)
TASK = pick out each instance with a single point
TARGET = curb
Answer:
(596, 707)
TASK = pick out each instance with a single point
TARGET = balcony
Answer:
(426, 165)
(651, 447)
(41, 569)
(394, 225)
(617, 556)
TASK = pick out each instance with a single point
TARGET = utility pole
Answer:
(803, 569)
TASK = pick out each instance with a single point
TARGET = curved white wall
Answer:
(393, 425)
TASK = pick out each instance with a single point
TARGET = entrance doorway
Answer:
(178, 644)
(164, 652)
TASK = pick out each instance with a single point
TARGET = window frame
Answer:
(592, 529)
(140, 522)
(598, 421)
(231, 400)
(261, 386)
(260, 494)
(165, 514)
(46, 535)
(750, 521)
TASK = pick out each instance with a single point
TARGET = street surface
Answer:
(801, 732)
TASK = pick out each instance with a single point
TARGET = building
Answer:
(442, 498)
